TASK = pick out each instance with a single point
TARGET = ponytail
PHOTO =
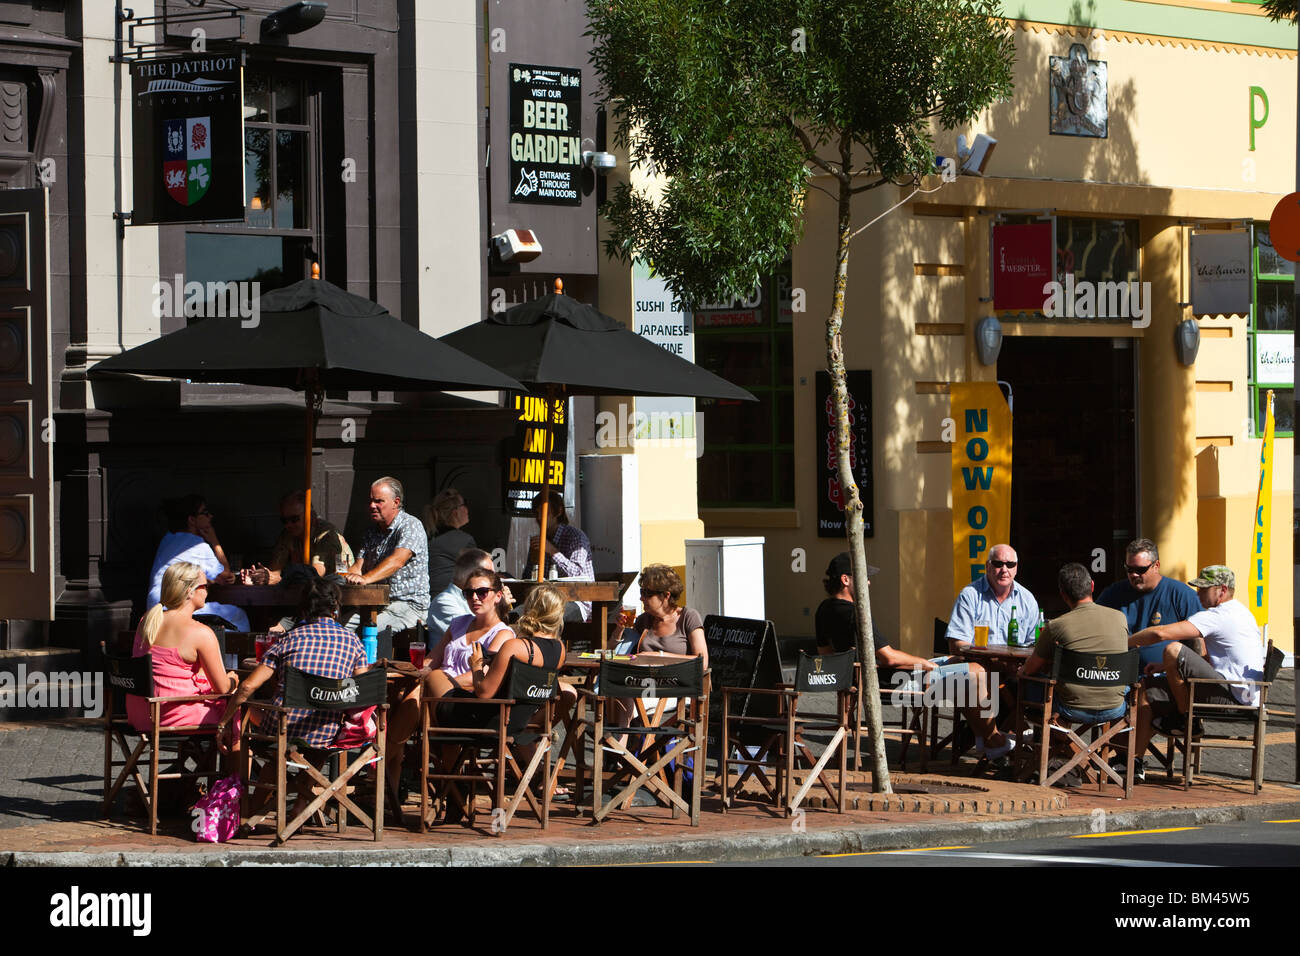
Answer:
(151, 623)
(177, 584)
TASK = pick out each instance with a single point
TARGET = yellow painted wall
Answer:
(1176, 152)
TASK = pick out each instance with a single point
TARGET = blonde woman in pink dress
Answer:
(186, 657)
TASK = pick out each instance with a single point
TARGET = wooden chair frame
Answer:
(133, 676)
(502, 744)
(325, 789)
(785, 741)
(1190, 744)
(1086, 754)
(684, 731)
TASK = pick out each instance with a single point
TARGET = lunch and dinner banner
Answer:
(187, 131)
(527, 470)
(981, 476)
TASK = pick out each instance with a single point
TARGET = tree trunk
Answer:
(852, 499)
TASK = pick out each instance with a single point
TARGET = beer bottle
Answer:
(1038, 632)
(1013, 629)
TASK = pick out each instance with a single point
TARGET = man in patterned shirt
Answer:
(568, 551)
(396, 550)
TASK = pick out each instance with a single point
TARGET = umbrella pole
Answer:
(312, 395)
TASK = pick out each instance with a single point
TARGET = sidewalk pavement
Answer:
(51, 780)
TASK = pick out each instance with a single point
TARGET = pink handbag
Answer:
(357, 729)
(216, 814)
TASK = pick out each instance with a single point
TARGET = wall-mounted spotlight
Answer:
(517, 245)
(988, 339)
(601, 162)
(1187, 341)
(294, 18)
(975, 158)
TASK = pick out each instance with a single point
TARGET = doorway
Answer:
(1074, 460)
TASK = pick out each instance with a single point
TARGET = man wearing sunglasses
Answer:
(1146, 597)
(990, 600)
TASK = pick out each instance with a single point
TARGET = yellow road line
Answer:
(1282, 821)
(654, 863)
(1093, 836)
(927, 849)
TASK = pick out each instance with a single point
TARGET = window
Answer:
(748, 458)
(1271, 339)
(288, 139)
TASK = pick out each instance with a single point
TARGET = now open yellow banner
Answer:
(1259, 537)
(981, 476)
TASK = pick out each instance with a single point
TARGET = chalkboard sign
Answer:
(742, 653)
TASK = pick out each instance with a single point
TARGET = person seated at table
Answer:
(664, 627)
(837, 631)
(186, 657)
(328, 546)
(447, 539)
(1145, 597)
(1227, 649)
(446, 665)
(991, 600)
(1086, 628)
(396, 550)
(449, 603)
(191, 538)
(319, 646)
(568, 550)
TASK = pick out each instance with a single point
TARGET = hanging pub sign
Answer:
(188, 135)
(545, 135)
(1023, 260)
(1220, 273)
(527, 469)
(830, 495)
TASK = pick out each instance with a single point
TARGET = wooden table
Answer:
(997, 660)
(367, 598)
(601, 594)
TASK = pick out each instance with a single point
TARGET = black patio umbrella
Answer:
(310, 336)
(568, 347)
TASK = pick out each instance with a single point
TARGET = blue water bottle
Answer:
(370, 642)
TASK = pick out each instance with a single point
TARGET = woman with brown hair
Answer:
(186, 657)
(446, 519)
(665, 627)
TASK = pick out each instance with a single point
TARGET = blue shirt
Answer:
(1168, 602)
(446, 607)
(977, 605)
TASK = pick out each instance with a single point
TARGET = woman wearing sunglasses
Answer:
(446, 665)
(665, 627)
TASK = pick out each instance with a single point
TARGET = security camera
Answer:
(517, 245)
(294, 18)
(975, 158)
(601, 162)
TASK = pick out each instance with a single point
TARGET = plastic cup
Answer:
(260, 644)
(981, 635)
(626, 617)
(416, 650)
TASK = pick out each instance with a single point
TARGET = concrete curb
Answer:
(717, 849)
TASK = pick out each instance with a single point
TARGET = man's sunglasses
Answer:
(1133, 569)
(479, 593)
(1002, 564)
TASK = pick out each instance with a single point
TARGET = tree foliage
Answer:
(745, 104)
(1282, 9)
(738, 101)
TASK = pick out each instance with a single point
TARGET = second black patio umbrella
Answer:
(566, 346)
(310, 336)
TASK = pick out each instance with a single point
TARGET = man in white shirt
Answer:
(992, 599)
(1226, 647)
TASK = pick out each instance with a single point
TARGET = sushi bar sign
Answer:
(188, 136)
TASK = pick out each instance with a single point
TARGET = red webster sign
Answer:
(1022, 264)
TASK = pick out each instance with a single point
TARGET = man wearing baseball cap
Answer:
(837, 630)
(1224, 645)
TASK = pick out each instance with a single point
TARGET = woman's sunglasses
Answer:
(479, 593)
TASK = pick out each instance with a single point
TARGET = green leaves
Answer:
(707, 90)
